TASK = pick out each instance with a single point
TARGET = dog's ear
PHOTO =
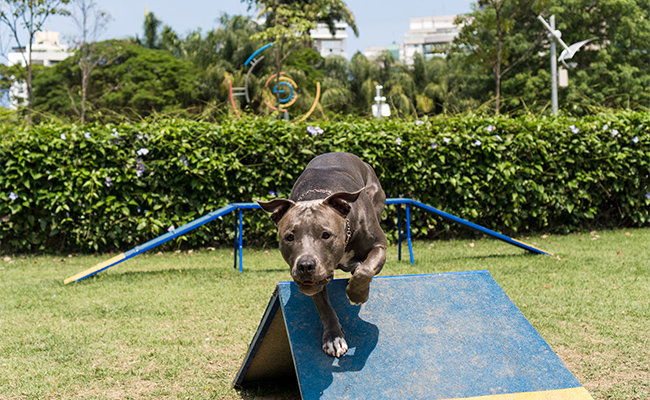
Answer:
(341, 201)
(277, 208)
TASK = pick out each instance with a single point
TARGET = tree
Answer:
(29, 15)
(288, 23)
(496, 36)
(613, 70)
(91, 23)
(151, 26)
(137, 83)
(432, 77)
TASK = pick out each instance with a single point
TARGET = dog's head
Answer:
(313, 235)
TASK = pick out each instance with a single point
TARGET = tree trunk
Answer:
(30, 97)
(497, 67)
(278, 71)
(84, 86)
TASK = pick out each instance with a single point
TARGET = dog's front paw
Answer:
(357, 295)
(335, 347)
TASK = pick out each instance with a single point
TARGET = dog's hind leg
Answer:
(334, 343)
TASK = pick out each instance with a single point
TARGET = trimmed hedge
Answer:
(104, 187)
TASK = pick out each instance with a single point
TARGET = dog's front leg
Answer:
(358, 287)
(333, 336)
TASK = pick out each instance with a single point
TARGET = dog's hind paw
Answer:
(336, 347)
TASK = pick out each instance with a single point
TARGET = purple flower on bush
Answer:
(647, 196)
(498, 137)
(398, 141)
(87, 135)
(13, 196)
(140, 168)
(605, 127)
(574, 129)
(615, 132)
(142, 152)
(108, 182)
(171, 228)
(63, 136)
(272, 193)
(184, 160)
(489, 128)
(314, 130)
(446, 140)
(434, 146)
(418, 122)
(635, 139)
(477, 143)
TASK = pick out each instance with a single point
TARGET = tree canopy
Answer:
(498, 63)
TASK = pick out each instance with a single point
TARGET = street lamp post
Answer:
(567, 53)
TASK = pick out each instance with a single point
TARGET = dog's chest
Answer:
(347, 262)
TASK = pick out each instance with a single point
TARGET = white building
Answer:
(327, 44)
(47, 50)
(429, 36)
(396, 50)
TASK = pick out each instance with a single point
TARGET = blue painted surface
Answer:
(436, 336)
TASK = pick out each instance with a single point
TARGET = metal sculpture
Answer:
(284, 90)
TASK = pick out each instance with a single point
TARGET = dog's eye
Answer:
(326, 235)
(289, 237)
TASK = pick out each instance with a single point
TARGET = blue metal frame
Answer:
(258, 51)
(239, 234)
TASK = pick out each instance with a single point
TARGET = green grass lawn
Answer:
(177, 325)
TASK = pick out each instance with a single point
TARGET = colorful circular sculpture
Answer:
(282, 88)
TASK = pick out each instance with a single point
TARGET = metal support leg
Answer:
(241, 243)
(236, 243)
(399, 233)
(408, 232)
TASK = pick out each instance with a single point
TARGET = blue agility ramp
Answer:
(436, 336)
(239, 234)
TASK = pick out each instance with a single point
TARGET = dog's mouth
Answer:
(318, 283)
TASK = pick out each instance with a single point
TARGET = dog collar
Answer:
(348, 231)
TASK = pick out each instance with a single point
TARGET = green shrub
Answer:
(87, 188)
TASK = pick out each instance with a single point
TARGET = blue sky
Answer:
(380, 22)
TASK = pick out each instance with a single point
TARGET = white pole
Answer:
(379, 99)
(553, 67)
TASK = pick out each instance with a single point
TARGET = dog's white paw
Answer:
(354, 303)
(336, 347)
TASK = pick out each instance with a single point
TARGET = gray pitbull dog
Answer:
(331, 221)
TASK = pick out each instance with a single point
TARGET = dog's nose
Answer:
(306, 265)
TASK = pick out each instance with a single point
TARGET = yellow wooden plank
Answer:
(578, 393)
(96, 268)
(518, 241)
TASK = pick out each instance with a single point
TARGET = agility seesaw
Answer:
(448, 336)
(239, 207)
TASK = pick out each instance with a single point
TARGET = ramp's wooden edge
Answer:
(267, 318)
(577, 393)
(97, 268)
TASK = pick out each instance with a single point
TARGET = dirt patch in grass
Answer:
(606, 374)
